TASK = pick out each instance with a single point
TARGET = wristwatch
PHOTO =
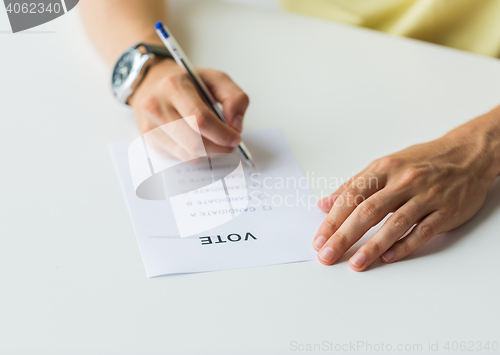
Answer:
(131, 68)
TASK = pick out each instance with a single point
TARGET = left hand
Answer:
(438, 186)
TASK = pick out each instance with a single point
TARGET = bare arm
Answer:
(166, 94)
(437, 185)
(115, 25)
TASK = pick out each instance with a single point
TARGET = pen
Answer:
(183, 61)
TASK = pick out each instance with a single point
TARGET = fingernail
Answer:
(358, 259)
(236, 143)
(319, 242)
(327, 255)
(238, 122)
(388, 255)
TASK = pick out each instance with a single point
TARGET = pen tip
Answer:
(159, 25)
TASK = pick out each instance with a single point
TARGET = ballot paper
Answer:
(219, 214)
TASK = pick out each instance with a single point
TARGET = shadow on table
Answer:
(446, 240)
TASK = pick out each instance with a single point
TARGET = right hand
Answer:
(168, 94)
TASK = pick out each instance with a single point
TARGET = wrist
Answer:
(481, 136)
(156, 72)
(142, 34)
(132, 67)
(150, 37)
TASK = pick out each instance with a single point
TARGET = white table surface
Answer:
(72, 279)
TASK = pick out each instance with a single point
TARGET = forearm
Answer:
(115, 25)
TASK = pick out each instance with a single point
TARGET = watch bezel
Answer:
(126, 88)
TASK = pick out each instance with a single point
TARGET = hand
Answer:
(168, 94)
(436, 186)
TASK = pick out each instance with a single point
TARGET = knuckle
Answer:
(400, 220)
(346, 185)
(330, 222)
(242, 97)
(405, 246)
(341, 240)
(448, 212)
(371, 180)
(411, 176)
(385, 164)
(374, 247)
(367, 210)
(151, 105)
(172, 82)
(349, 196)
(202, 119)
(427, 231)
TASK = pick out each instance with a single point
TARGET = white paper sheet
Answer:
(275, 224)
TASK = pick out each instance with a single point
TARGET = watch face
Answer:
(123, 67)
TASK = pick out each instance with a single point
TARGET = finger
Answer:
(162, 143)
(326, 203)
(365, 216)
(429, 227)
(158, 148)
(177, 129)
(214, 148)
(187, 102)
(393, 229)
(150, 115)
(181, 133)
(359, 190)
(234, 101)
